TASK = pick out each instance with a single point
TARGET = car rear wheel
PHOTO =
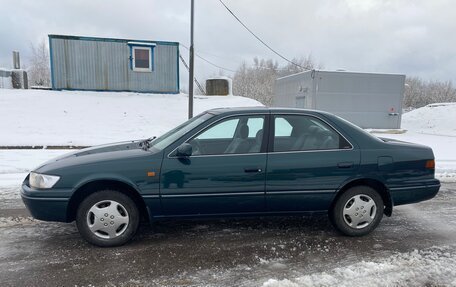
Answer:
(107, 218)
(357, 211)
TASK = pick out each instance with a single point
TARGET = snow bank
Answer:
(40, 117)
(435, 119)
(435, 266)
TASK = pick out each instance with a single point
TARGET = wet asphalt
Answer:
(230, 252)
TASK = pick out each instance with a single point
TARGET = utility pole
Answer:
(190, 79)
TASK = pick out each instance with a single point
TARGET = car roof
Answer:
(262, 109)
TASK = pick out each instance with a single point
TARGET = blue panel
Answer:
(177, 70)
(131, 57)
(143, 92)
(139, 44)
(153, 57)
(51, 63)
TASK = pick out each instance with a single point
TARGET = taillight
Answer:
(430, 164)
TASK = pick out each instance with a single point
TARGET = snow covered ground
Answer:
(435, 266)
(36, 117)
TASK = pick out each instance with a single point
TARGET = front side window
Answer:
(236, 135)
(142, 59)
(305, 133)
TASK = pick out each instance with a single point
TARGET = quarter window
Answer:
(303, 133)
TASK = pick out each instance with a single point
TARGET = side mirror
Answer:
(184, 150)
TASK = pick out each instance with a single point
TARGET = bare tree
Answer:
(39, 72)
(419, 93)
(257, 81)
(300, 64)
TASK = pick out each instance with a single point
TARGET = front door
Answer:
(309, 160)
(225, 173)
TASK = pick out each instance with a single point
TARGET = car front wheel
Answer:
(357, 211)
(107, 218)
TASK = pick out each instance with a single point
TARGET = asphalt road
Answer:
(235, 252)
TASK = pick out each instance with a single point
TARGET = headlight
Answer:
(38, 180)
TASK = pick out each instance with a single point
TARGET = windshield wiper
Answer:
(145, 144)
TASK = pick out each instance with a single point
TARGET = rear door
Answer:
(307, 161)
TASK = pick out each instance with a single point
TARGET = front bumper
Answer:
(417, 193)
(47, 205)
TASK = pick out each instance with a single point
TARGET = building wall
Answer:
(366, 99)
(369, 100)
(295, 91)
(104, 64)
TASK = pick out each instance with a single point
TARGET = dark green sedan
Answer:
(234, 162)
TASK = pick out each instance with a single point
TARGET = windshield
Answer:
(174, 134)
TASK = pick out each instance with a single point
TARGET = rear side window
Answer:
(282, 127)
(305, 133)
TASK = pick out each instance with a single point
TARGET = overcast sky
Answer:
(413, 37)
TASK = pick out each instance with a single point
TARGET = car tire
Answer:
(357, 211)
(107, 218)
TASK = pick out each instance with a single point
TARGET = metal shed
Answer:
(107, 64)
(368, 100)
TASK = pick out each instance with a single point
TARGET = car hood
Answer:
(97, 154)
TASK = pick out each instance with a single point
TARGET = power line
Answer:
(209, 62)
(215, 65)
(230, 70)
(215, 55)
(258, 38)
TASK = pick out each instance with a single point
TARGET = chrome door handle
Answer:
(345, 164)
(252, 170)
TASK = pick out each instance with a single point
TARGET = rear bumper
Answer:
(47, 208)
(413, 194)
